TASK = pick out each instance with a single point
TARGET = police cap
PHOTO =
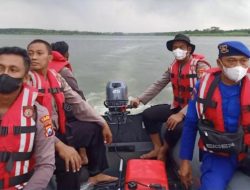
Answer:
(231, 48)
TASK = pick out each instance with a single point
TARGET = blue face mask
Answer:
(9, 84)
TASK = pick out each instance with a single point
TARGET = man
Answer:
(182, 73)
(220, 102)
(54, 90)
(60, 63)
(26, 134)
(62, 47)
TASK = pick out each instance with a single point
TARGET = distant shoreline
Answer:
(206, 32)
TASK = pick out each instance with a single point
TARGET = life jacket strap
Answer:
(245, 108)
(246, 129)
(206, 102)
(55, 90)
(180, 100)
(51, 90)
(191, 76)
(3, 131)
(20, 129)
(13, 181)
(17, 130)
(10, 157)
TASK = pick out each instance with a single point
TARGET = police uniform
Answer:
(44, 150)
(217, 169)
(42, 159)
(154, 116)
(84, 131)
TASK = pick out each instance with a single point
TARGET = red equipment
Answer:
(146, 174)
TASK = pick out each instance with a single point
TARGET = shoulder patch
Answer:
(47, 125)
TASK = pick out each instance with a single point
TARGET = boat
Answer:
(130, 140)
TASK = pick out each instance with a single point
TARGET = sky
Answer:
(125, 15)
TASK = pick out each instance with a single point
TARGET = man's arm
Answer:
(72, 82)
(188, 141)
(44, 152)
(189, 128)
(81, 109)
(155, 88)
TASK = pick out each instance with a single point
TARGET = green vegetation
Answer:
(213, 31)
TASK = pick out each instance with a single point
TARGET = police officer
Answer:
(220, 100)
(55, 91)
(60, 63)
(182, 73)
(26, 133)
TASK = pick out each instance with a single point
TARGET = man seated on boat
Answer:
(60, 63)
(219, 109)
(27, 152)
(54, 92)
(182, 74)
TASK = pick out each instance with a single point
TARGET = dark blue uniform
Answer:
(216, 170)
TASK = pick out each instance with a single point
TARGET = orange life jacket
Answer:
(214, 110)
(47, 89)
(58, 62)
(17, 134)
(183, 82)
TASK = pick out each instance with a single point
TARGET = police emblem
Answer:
(223, 48)
(28, 111)
(47, 125)
(49, 131)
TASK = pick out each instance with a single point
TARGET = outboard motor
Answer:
(116, 101)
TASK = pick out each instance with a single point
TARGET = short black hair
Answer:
(61, 46)
(48, 46)
(17, 51)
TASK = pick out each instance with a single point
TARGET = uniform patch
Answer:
(28, 111)
(49, 131)
(47, 125)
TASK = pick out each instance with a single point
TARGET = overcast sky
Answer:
(125, 15)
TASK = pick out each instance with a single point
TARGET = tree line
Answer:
(213, 31)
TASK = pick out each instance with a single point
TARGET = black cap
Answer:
(180, 37)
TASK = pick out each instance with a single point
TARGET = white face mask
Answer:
(235, 73)
(180, 54)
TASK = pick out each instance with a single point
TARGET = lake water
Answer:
(136, 60)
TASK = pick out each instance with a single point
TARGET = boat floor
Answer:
(130, 140)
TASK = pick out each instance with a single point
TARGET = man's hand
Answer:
(135, 102)
(107, 135)
(173, 120)
(185, 173)
(69, 155)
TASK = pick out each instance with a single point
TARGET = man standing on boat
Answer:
(182, 74)
(220, 110)
(54, 92)
(27, 153)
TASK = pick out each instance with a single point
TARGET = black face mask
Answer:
(9, 84)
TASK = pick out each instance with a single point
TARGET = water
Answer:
(137, 60)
